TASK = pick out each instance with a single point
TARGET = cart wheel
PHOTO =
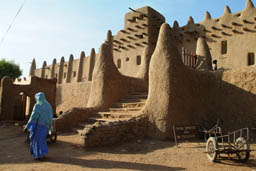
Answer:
(211, 147)
(53, 137)
(242, 144)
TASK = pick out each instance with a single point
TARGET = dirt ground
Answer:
(67, 155)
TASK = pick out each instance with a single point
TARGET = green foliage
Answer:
(9, 68)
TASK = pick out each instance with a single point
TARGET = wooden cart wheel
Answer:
(53, 137)
(211, 147)
(241, 144)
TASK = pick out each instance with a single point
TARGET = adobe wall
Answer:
(72, 95)
(228, 95)
(70, 71)
(140, 30)
(70, 118)
(223, 35)
(12, 101)
(180, 95)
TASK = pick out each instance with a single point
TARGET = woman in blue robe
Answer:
(39, 124)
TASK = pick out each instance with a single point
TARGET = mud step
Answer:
(77, 129)
(83, 124)
(114, 115)
(145, 91)
(131, 100)
(106, 119)
(136, 96)
(139, 93)
(129, 104)
(121, 109)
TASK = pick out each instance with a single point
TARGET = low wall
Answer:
(13, 97)
(73, 116)
(72, 95)
(111, 133)
(237, 97)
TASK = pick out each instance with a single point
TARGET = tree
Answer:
(9, 68)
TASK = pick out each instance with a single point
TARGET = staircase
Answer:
(124, 109)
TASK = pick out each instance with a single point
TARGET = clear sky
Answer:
(48, 29)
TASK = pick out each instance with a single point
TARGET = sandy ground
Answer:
(67, 155)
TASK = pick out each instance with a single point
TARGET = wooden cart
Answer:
(232, 144)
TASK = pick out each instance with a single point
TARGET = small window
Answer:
(224, 47)
(238, 15)
(140, 36)
(119, 63)
(74, 73)
(138, 60)
(127, 59)
(141, 16)
(133, 19)
(250, 59)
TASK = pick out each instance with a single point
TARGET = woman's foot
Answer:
(43, 157)
(40, 158)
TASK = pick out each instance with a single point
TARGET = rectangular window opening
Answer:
(224, 47)
(250, 60)
(138, 60)
(119, 63)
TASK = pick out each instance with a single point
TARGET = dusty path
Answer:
(66, 155)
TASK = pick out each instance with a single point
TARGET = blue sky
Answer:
(47, 29)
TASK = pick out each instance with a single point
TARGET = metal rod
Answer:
(175, 136)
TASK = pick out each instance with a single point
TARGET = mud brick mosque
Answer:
(147, 77)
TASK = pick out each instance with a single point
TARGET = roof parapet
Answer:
(191, 20)
(227, 10)
(175, 25)
(207, 16)
(249, 5)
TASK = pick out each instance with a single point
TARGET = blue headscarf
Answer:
(42, 112)
(40, 98)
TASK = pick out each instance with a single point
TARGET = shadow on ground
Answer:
(16, 151)
(109, 164)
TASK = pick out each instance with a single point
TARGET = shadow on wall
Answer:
(214, 97)
(233, 100)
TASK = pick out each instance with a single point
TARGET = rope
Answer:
(10, 26)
